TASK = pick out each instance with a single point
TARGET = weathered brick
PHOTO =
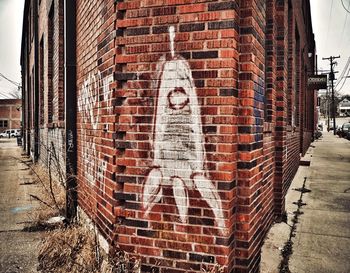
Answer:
(192, 27)
(245, 60)
(137, 31)
(174, 254)
(205, 54)
(223, 5)
(223, 25)
(202, 258)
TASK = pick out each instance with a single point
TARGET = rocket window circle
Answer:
(178, 98)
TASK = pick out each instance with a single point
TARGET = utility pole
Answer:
(331, 78)
(328, 108)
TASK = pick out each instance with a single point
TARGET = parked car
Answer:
(348, 135)
(4, 134)
(11, 133)
(342, 132)
(17, 133)
(338, 131)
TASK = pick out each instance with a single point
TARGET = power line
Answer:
(343, 72)
(329, 20)
(347, 10)
(342, 33)
(345, 78)
(5, 95)
(9, 88)
(11, 81)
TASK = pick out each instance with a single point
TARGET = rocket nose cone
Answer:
(177, 84)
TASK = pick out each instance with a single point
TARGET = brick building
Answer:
(42, 79)
(10, 114)
(184, 120)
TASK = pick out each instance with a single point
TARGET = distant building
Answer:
(10, 114)
(324, 103)
(344, 108)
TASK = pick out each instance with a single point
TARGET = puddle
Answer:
(20, 209)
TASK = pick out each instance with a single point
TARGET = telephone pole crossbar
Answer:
(331, 78)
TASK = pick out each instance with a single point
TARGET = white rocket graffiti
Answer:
(179, 152)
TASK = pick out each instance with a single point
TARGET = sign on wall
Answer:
(317, 82)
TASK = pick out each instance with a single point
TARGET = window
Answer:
(3, 123)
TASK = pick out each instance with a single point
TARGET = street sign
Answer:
(317, 82)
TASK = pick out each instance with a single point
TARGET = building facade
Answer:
(10, 114)
(344, 108)
(42, 79)
(184, 120)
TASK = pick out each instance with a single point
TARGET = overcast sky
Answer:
(331, 25)
(11, 12)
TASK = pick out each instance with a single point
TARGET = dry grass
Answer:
(68, 250)
(76, 250)
(50, 195)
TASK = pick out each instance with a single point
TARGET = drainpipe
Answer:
(36, 82)
(24, 69)
(70, 107)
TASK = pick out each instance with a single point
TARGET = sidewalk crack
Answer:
(287, 250)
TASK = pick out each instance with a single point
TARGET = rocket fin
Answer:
(152, 191)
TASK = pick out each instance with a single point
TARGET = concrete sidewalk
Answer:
(322, 237)
(18, 248)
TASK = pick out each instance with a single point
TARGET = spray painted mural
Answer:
(92, 90)
(178, 141)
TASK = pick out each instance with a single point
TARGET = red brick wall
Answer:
(123, 49)
(281, 102)
(5, 111)
(51, 93)
(294, 102)
(96, 116)
(187, 140)
(120, 143)
(250, 121)
(293, 135)
(269, 116)
(58, 50)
